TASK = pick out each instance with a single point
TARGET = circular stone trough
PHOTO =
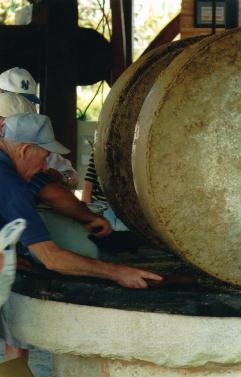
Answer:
(96, 328)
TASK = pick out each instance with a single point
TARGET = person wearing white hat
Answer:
(19, 80)
(18, 95)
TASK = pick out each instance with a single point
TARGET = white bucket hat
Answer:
(34, 129)
(19, 80)
(12, 103)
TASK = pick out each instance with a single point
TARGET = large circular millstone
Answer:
(187, 156)
(116, 132)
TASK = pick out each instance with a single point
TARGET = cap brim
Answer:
(55, 147)
(31, 97)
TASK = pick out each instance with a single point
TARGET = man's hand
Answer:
(134, 278)
(99, 226)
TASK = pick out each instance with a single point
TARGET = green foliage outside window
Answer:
(8, 9)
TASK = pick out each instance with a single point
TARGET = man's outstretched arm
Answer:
(56, 259)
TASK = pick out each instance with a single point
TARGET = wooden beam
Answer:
(118, 39)
(16, 52)
(171, 30)
(60, 56)
(58, 85)
(128, 17)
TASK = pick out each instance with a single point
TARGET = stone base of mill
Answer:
(102, 342)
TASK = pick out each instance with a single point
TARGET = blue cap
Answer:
(32, 128)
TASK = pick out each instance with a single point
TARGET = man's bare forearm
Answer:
(64, 201)
(69, 263)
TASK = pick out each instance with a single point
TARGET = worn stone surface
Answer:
(187, 155)
(165, 340)
(73, 366)
(116, 131)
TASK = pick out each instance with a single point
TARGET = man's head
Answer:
(19, 80)
(33, 137)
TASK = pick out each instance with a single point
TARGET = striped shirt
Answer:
(91, 176)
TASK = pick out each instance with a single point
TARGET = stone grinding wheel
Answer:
(116, 132)
(187, 156)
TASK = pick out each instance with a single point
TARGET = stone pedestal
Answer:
(102, 342)
(75, 366)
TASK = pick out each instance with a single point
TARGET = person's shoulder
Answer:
(12, 187)
(9, 176)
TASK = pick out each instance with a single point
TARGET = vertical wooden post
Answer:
(128, 17)
(118, 40)
(58, 82)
